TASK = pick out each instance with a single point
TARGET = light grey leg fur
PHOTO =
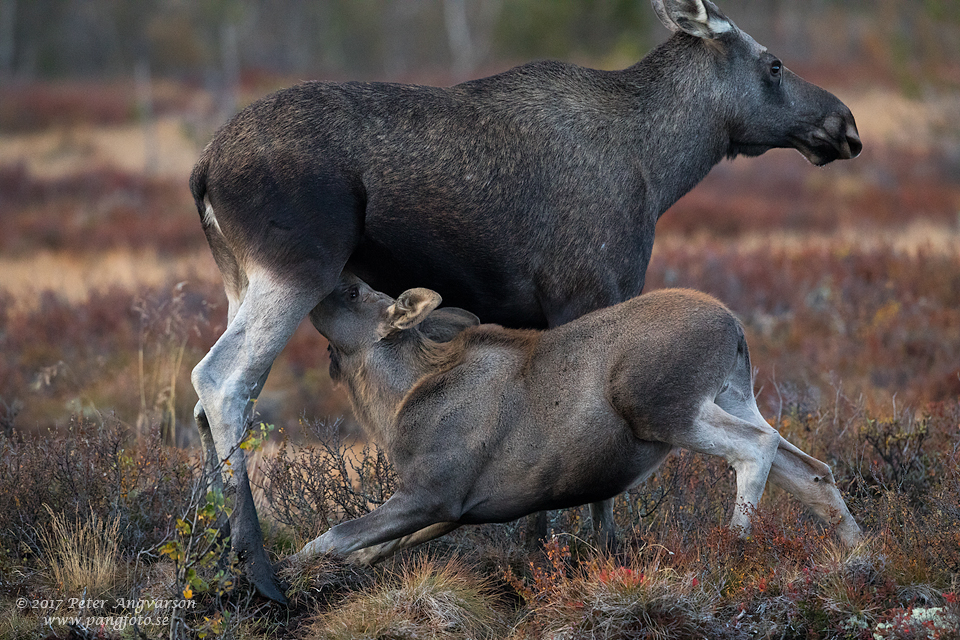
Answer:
(811, 482)
(808, 479)
(228, 380)
(749, 447)
(376, 553)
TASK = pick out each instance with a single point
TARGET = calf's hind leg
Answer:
(749, 447)
(808, 479)
(811, 481)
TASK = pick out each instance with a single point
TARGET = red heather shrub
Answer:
(95, 210)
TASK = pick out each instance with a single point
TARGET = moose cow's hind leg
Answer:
(229, 378)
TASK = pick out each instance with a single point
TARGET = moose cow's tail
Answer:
(198, 182)
(234, 279)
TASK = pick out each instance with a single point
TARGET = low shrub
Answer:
(97, 473)
(328, 480)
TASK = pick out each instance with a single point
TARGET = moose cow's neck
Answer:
(679, 122)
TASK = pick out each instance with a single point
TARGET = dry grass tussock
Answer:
(423, 598)
(82, 557)
(631, 596)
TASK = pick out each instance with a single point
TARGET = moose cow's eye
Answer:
(353, 293)
(775, 68)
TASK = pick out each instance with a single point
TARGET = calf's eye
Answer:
(353, 293)
(775, 68)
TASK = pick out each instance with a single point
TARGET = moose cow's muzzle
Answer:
(834, 138)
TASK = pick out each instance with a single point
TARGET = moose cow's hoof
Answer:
(260, 573)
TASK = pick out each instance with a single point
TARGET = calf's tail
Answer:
(736, 397)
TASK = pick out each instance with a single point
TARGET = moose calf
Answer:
(487, 424)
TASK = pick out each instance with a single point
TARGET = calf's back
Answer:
(570, 415)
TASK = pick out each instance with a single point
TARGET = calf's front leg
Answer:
(402, 521)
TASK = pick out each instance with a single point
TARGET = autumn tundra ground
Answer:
(847, 279)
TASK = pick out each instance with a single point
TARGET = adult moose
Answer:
(529, 197)
(491, 424)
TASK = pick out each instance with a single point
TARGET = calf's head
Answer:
(354, 318)
(763, 103)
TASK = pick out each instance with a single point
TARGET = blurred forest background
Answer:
(215, 41)
(846, 276)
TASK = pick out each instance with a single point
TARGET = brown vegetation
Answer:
(679, 572)
(94, 210)
(847, 279)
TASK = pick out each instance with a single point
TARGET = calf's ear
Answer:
(443, 325)
(700, 18)
(412, 308)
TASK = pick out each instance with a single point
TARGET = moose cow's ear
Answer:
(700, 18)
(412, 307)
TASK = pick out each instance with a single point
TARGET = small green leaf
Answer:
(173, 550)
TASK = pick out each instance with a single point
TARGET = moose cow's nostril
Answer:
(853, 141)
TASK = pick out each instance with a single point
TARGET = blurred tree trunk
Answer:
(458, 34)
(397, 20)
(8, 18)
(230, 61)
(469, 34)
